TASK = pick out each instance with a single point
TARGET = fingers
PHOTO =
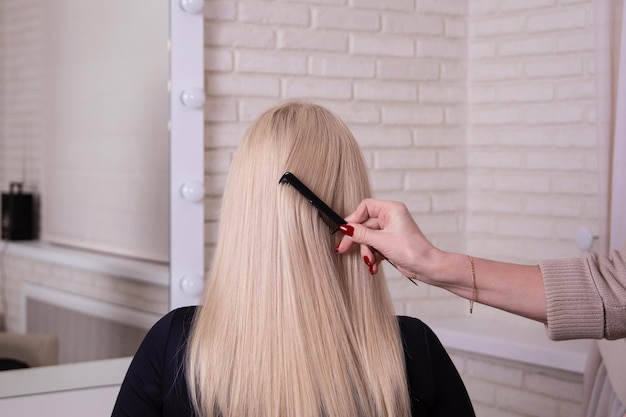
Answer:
(370, 259)
(346, 242)
(354, 233)
(373, 256)
(363, 225)
(360, 234)
(368, 255)
(374, 224)
(368, 208)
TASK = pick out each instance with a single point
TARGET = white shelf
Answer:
(68, 377)
(522, 343)
(139, 270)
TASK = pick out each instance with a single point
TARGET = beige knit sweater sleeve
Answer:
(586, 297)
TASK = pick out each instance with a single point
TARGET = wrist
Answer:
(448, 270)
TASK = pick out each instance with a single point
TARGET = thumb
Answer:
(366, 237)
(359, 234)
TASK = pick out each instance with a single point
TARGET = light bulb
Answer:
(584, 239)
(192, 6)
(192, 284)
(192, 98)
(192, 191)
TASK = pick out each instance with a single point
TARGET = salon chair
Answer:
(27, 350)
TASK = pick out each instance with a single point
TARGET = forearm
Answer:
(389, 227)
(510, 287)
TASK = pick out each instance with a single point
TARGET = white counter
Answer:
(515, 342)
(78, 389)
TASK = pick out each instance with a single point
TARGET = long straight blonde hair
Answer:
(287, 327)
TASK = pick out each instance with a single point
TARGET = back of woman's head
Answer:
(288, 327)
(307, 140)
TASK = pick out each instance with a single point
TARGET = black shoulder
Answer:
(433, 379)
(181, 318)
(411, 324)
(154, 375)
(415, 333)
(171, 329)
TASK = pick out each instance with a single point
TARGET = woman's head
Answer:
(266, 221)
(307, 140)
(289, 327)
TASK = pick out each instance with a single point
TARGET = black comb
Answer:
(330, 217)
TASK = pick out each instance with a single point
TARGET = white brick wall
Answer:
(501, 388)
(531, 141)
(21, 58)
(394, 70)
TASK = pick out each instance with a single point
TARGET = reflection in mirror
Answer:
(105, 107)
(85, 112)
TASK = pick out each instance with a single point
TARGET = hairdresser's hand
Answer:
(389, 227)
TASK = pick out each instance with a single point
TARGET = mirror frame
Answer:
(186, 152)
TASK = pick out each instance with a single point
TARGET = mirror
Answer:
(105, 110)
(115, 150)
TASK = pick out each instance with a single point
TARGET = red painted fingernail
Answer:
(346, 229)
(367, 261)
(371, 270)
(337, 248)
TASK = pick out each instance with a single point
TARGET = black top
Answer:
(155, 384)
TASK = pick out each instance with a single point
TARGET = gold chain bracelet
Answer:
(474, 289)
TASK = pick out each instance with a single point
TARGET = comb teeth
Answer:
(332, 219)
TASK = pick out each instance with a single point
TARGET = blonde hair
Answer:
(287, 326)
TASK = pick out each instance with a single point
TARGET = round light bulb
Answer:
(192, 6)
(192, 284)
(584, 239)
(192, 191)
(193, 98)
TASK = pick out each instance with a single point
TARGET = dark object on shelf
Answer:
(18, 214)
